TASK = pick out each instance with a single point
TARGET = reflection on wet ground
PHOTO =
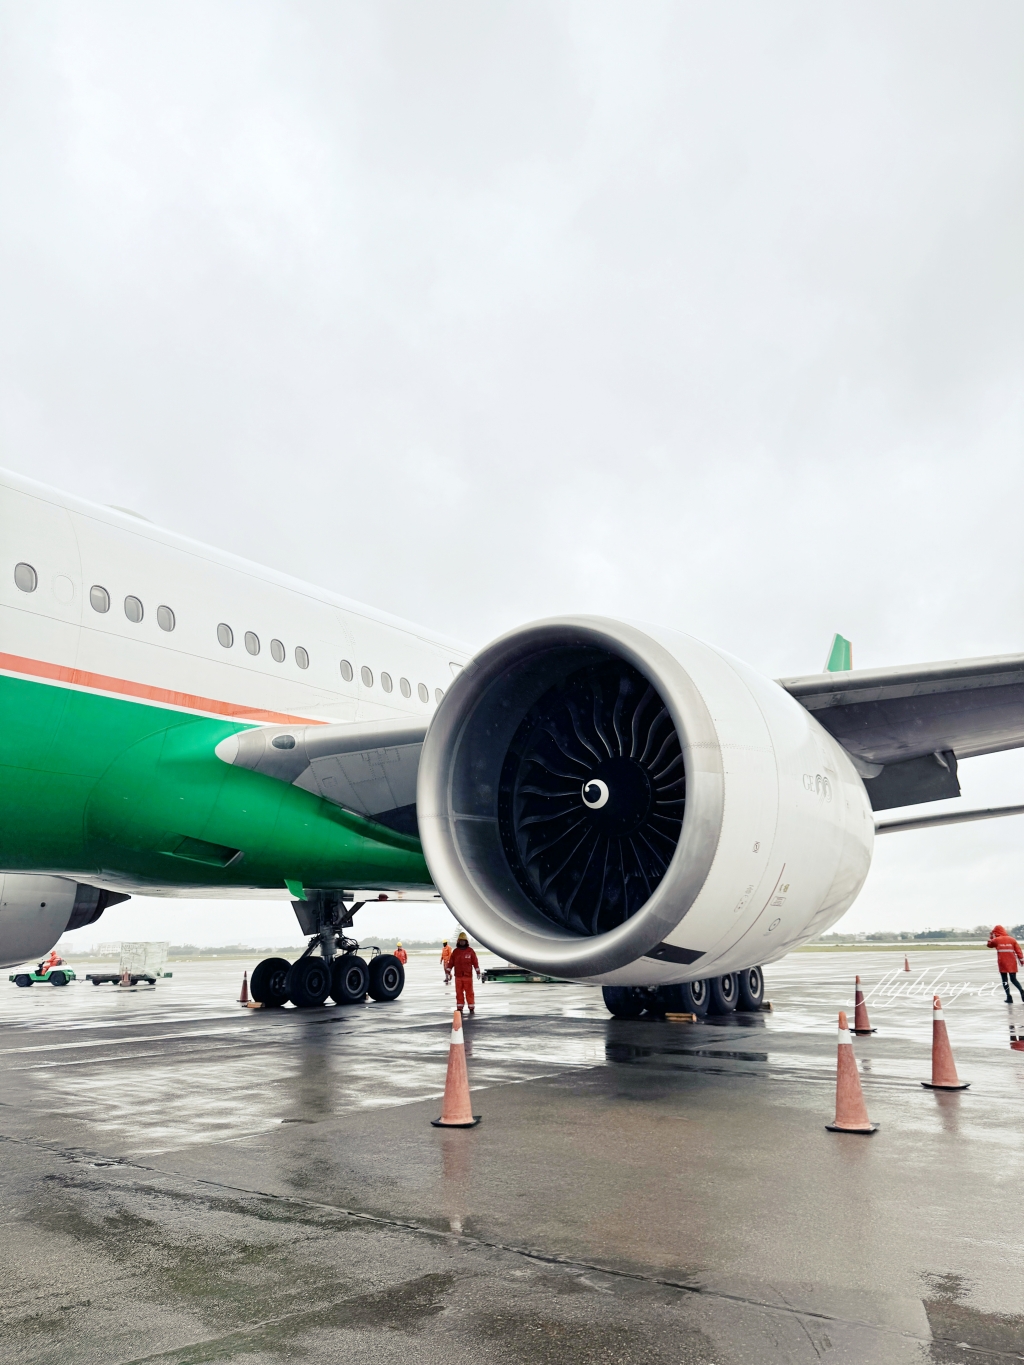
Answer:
(186, 1180)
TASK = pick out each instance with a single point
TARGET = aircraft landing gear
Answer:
(269, 982)
(751, 986)
(336, 970)
(717, 995)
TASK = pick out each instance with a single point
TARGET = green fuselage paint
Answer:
(97, 786)
(127, 653)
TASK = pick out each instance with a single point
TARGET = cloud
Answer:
(709, 315)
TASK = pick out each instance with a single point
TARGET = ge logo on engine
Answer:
(595, 794)
(820, 786)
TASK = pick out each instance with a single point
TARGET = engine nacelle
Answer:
(35, 911)
(624, 804)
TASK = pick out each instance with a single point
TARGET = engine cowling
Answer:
(35, 911)
(623, 804)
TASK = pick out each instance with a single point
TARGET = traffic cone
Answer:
(243, 999)
(851, 1111)
(456, 1109)
(906, 964)
(860, 1011)
(126, 978)
(944, 1075)
(1017, 1038)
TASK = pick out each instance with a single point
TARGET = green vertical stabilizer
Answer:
(840, 656)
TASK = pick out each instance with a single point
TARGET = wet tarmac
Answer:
(187, 1181)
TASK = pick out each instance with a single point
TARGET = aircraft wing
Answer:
(906, 728)
(367, 767)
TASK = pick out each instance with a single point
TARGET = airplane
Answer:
(611, 802)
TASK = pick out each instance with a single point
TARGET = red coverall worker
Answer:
(464, 963)
(1008, 959)
(446, 958)
(401, 954)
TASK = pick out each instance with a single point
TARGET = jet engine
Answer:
(623, 804)
(35, 911)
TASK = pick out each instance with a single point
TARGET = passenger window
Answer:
(133, 610)
(25, 577)
(252, 642)
(301, 657)
(406, 687)
(424, 695)
(385, 682)
(165, 618)
(366, 676)
(225, 635)
(346, 670)
(438, 694)
(99, 598)
(277, 651)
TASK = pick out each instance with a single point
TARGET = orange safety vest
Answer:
(463, 961)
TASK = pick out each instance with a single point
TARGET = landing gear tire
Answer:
(268, 984)
(625, 1002)
(751, 989)
(387, 977)
(350, 979)
(692, 997)
(723, 993)
(58, 979)
(23, 979)
(309, 982)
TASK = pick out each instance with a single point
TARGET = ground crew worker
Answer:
(401, 954)
(52, 959)
(1009, 956)
(464, 963)
(446, 959)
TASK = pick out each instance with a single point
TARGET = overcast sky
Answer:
(704, 313)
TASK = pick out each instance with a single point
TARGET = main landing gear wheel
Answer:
(387, 977)
(309, 982)
(724, 992)
(751, 989)
(692, 997)
(625, 1002)
(268, 984)
(350, 979)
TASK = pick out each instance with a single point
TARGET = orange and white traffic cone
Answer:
(243, 999)
(860, 1011)
(456, 1109)
(944, 1075)
(126, 978)
(851, 1111)
(906, 964)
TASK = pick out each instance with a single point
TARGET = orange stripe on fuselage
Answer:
(100, 682)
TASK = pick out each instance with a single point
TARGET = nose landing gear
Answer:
(336, 971)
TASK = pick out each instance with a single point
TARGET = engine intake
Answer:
(570, 795)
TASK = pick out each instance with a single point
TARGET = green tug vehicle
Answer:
(56, 974)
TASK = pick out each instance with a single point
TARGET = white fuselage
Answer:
(74, 547)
